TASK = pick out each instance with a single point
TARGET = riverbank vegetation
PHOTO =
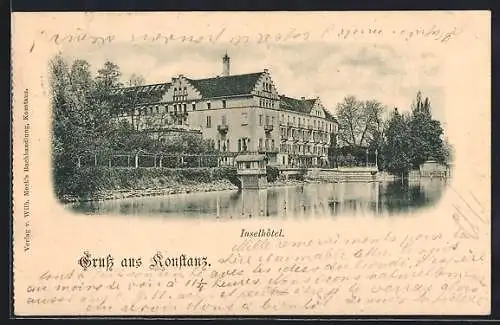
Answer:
(83, 122)
(93, 182)
(399, 143)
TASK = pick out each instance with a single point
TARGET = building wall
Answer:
(244, 120)
(248, 118)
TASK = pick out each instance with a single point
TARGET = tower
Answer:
(225, 65)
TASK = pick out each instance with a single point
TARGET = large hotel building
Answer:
(237, 114)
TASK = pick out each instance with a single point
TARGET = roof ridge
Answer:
(132, 87)
(223, 77)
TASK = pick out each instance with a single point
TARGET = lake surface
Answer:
(333, 199)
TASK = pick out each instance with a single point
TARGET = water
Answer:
(290, 201)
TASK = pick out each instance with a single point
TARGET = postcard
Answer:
(251, 163)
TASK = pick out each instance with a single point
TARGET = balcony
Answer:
(268, 128)
(222, 128)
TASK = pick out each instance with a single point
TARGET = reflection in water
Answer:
(293, 201)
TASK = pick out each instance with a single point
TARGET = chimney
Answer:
(225, 65)
(266, 70)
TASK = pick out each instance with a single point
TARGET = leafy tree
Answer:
(425, 134)
(70, 90)
(397, 146)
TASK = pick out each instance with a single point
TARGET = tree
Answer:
(69, 87)
(360, 122)
(136, 80)
(425, 134)
(397, 145)
(105, 105)
(108, 77)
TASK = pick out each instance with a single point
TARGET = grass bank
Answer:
(98, 183)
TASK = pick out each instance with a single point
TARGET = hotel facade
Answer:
(237, 114)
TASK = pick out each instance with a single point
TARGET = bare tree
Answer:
(360, 122)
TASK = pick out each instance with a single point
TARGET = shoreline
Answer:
(217, 186)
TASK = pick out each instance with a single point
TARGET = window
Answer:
(260, 144)
(244, 118)
(227, 144)
(247, 165)
(260, 119)
(218, 145)
(272, 120)
(209, 105)
(294, 120)
(194, 106)
(239, 145)
(184, 106)
(209, 121)
(223, 103)
(267, 120)
(224, 120)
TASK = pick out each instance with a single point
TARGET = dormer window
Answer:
(209, 105)
(223, 103)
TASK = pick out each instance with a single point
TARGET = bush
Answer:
(272, 173)
(302, 174)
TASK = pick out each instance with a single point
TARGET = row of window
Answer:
(244, 120)
(267, 144)
(224, 145)
(266, 103)
(305, 122)
(303, 149)
(304, 134)
(267, 86)
(268, 119)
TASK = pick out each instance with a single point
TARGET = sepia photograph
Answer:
(251, 163)
(248, 132)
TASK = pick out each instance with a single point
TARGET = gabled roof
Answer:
(329, 115)
(144, 94)
(297, 105)
(226, 86)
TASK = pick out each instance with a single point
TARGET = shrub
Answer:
(272, 173)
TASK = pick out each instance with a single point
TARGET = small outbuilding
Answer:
(251, 169)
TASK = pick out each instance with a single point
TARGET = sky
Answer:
(330, 71)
